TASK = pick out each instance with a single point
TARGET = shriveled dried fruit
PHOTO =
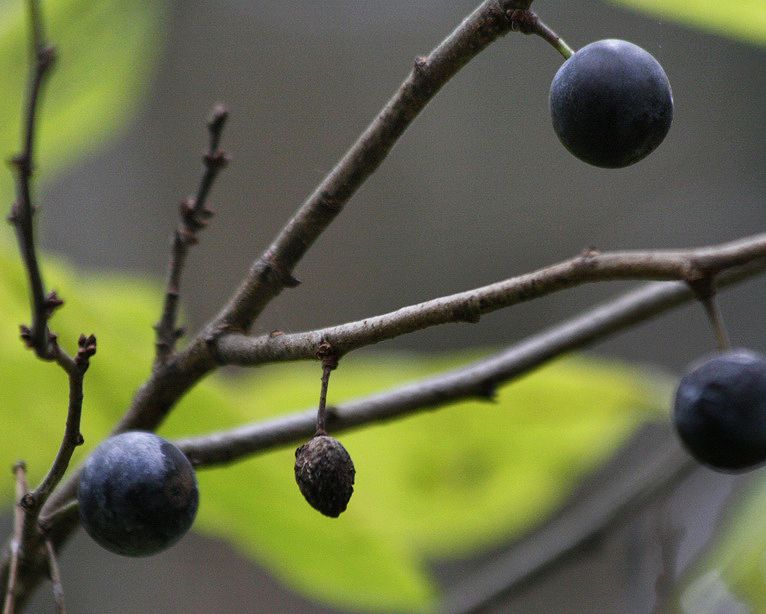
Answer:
(325, 473)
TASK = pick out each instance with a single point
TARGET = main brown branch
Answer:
(684, 265)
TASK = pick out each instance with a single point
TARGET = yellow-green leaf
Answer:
(741, 19)
(439, 484)
(106, 51)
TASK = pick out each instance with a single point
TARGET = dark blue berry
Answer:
(720, 411)
(611, 103)
(137, 494)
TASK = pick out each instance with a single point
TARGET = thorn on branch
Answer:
(26, 334)
(46, 58)
(52, 302)
(488, 390)
(275, 273)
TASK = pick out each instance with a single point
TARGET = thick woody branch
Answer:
(194, 215)
(478, 380)
(37, 335)
(273, 270)
(687, 265)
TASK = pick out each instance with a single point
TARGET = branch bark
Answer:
(687, 265)
(478, 380)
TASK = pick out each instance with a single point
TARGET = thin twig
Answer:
(17, 541)
(478, 380)
(72, 436)
(55, 573)
(694, 264)
(194, 216)
(22, 212)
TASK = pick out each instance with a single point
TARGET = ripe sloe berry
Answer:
(720, 410)
(325, 473)
(137, 494)
(611, 103)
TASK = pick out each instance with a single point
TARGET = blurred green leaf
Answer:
(741, 19)
(106, 51)
(732, 570)
(439, 484)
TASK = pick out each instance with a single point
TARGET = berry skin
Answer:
(137, 494)
(720, 411)
(611, 103)
(325, 474)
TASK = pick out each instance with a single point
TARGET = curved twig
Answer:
(687, 265)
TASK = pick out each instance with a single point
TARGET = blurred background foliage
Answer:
(439, 485)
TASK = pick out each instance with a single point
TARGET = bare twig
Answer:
(17, 541)
(194, 215)
(694, 264)
(55, 573)
(72, 436)
(22, 212)
(477, 380)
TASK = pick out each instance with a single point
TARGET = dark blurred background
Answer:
(478, 189)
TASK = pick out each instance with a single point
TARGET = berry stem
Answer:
(526, 21)
(716, 321)
(322, 411)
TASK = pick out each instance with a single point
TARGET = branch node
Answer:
(216, 160)
(27, 502)
(52, 302)
(86, 347)
(327, 355)
(46, 58)
(522, 20)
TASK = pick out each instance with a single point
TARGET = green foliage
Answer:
(741, 19)
(439, 484)
(731, 571)
(106, 50)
